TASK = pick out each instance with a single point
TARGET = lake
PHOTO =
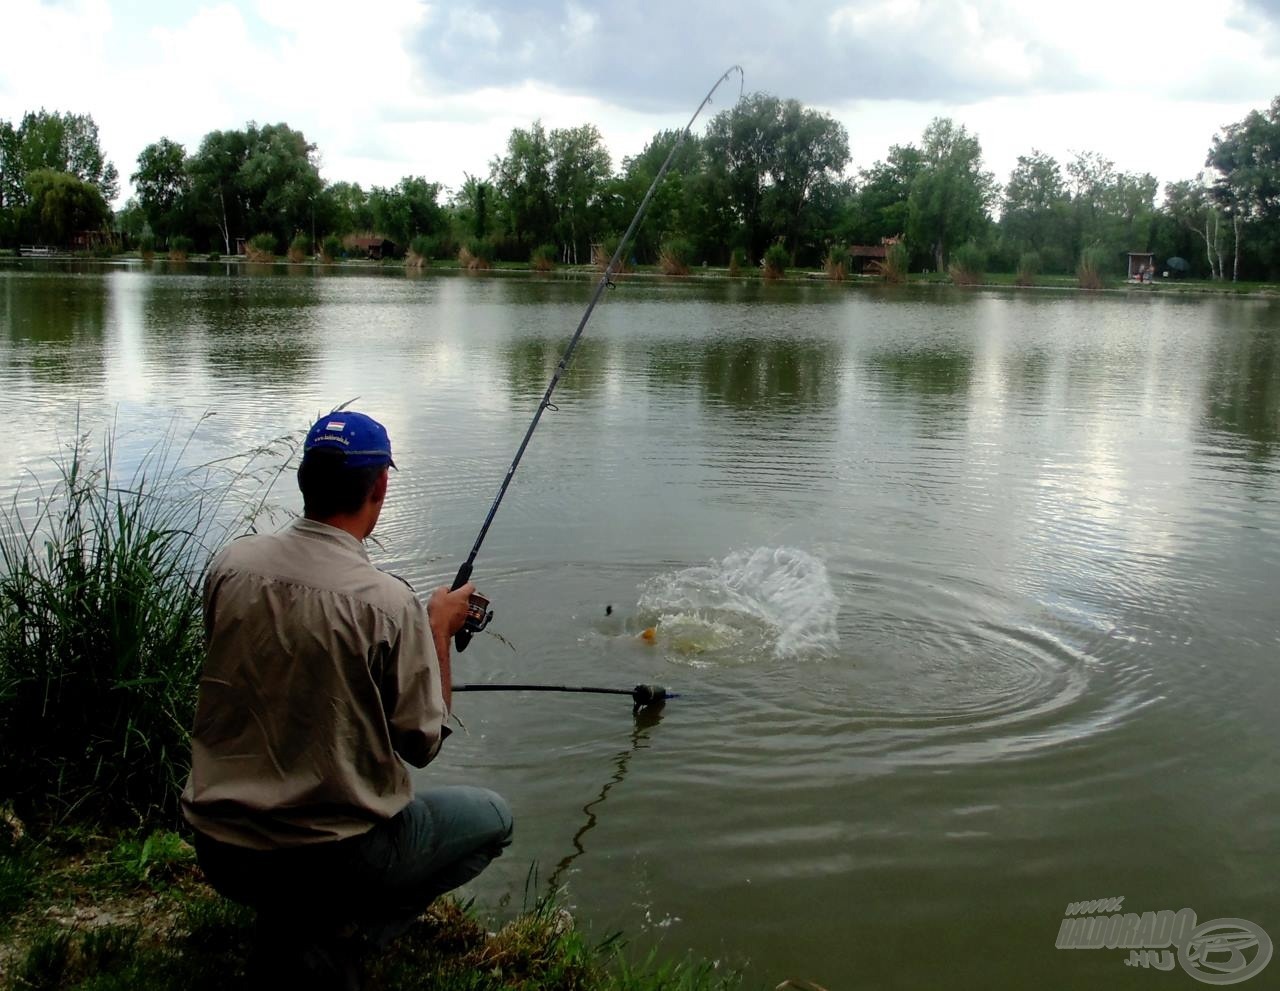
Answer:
(969, 596)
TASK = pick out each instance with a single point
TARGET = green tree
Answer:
(131, 222)
(951, 196)
(58, 205)
(408, 209)
(215, 183)
(1246, 157)
(264, 179)
(769, 154)
(163, 186)
(687, 204)
(343, 208)
(279, 180)
(522, 180)
(579, 170)
(1111, 211)
(812, 151)
(878, 208)
(62, 142)
(1191, 203)
(1035, 212)
(471, 205)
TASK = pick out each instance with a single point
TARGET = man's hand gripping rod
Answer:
(478, 613)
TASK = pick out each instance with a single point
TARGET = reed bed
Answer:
(100, 622)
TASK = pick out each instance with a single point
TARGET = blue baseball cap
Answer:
(362, 438)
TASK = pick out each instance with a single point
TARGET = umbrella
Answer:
(1178, 264)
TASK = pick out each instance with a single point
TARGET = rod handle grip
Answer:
(463, 637)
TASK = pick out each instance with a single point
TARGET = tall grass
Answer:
(100, 624)
(1092, 270)
(776, 260)
(838, 263)
(1029, 268)
(476, 255)
(261, 248)
(543, 258)
(180, 247)
(968, 265)
(299, 248)
(675, 256)
(330, 248)
(895, 264)
(737, 261)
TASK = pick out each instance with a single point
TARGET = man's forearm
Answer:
(441, 639)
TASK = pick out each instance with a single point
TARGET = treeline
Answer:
(767, 177)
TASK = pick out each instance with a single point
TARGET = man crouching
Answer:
(323, 677)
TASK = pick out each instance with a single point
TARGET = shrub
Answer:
(214, 256)
(737, 261)
(675, 256)
(776, 261)
(476, 255)
(147, 247)
(261, 248)
(837, 263)
(100, 628)
(968, 265)
(1029, 267)
(1092, 270)
(543, 258)
(330, 248)
(421, 250)
(299, 248)
(180, 247)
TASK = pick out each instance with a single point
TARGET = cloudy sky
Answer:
(398, 87)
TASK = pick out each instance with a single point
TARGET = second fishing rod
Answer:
(479, 614)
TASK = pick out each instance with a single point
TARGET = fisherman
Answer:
(324, 677)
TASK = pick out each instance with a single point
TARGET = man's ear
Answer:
(379, 492)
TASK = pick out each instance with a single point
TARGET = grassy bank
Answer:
(87, 909)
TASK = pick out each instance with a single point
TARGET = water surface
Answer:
(969, 596)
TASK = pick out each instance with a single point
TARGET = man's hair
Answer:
(329, 487)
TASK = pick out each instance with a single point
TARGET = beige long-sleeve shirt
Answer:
(320, 670)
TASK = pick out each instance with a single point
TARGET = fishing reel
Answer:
(479, 614)
(478, 617)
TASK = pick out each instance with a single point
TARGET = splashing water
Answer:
(769, 601)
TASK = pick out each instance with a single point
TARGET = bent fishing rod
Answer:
(642, 696)
(478, 612)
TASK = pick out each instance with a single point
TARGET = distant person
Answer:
(324, 677)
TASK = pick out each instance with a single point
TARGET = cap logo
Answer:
(334, 425)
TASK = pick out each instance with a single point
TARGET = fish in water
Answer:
(649, 634)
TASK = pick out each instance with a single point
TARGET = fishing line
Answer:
(479, 614)
(645, 720)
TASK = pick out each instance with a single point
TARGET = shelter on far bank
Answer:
(863, 255)
(372, 246)
(1142, 266)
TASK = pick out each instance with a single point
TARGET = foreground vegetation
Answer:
(100, 648)
(128, 910)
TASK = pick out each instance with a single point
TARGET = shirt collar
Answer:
(323, 531)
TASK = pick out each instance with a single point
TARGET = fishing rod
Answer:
(642, 696)
(478, 612)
